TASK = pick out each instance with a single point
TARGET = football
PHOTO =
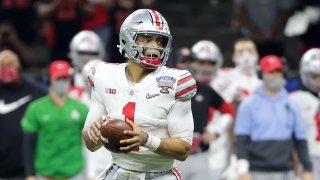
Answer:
(112, 134)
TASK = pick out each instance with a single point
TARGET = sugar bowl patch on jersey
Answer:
(165, 83)
(186, 86)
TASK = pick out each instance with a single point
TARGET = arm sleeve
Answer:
(227, 114)
(29, 145)
(298, 127)
(242, 122)
(29, 121)
(242, 130)
(299, 136)
(180, 121)
(303, 153)
(216, 100)
(97, 109)
(242, 146)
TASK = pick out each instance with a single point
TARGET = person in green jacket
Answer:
(52, 127)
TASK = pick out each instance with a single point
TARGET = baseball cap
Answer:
(271, 63)
(59, 68)
(183, 54)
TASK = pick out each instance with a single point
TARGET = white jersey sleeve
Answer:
(97, 108)
(180, 121)
(186, 87)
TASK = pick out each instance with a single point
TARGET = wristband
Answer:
(243, 166)
(152, 143)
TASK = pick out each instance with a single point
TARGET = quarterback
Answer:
(154, 99)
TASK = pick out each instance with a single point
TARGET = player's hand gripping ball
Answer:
(112, 134)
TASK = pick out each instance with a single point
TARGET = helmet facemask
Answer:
(312, 80)
(141, 52)
(83, 57)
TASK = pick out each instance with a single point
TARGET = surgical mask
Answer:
(205, 76)
(61, 87)
(9, 74)
(275, 84)
(247, 61)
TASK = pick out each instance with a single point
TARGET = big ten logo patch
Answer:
(110, 91)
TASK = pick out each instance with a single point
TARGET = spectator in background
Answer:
(52, 126)
(84, 46)
(235, 84)
(23, 17)
(238, 83)
(269, 128)
(308, 101)
(65, 18)
(263, 22)
(15, 95)
(86, 50)
(10, 40)
(205, 130)
(208, 63)
(100, 22)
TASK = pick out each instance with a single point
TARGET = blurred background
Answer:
(40, 35)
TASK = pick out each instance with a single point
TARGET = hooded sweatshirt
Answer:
(268, 130)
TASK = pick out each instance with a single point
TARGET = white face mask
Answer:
(275, 84)
(61, 86)
(247, 62)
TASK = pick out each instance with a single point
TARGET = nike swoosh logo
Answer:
(148, 96)
(7, 108)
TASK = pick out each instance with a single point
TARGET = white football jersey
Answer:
(233, 85)
(309, 105)
(160, 104)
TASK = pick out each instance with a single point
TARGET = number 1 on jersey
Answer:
(128, 110)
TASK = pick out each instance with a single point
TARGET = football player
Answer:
(86, 48)
(154, 99)
(237, 83)
(207, 67)
(308, 100)
(206, 131)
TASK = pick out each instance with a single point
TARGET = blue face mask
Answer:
(275, 84)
